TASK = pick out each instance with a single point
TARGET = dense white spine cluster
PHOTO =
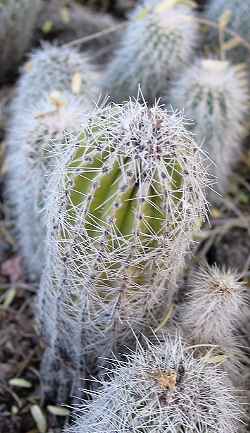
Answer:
(123, 211)
(215, 95)
(216, 307)
(56, 86)
(162, 388)
(157, 46)
(214, 316)
(17, 22)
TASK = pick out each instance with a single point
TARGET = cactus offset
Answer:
(17, 22)
(216, 306)
(162, 388)
(215, 95)
(157, 46)
(215, 313)
(52, 92)
(122, 218)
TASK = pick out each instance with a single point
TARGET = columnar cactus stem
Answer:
(162, 388)
(54, 89)
(125, 206)
(17, 22)
(215, 95)
(157, 46)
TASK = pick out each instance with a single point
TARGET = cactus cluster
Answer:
(107, 200)
(56, 86)
(162, 388)
(214, 314)
(158, 44)
(214, 94)
(17, 22)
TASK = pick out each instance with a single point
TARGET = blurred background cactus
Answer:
(162, 388)
(17, 23)
(215, 95)
(158, 45)
(56, 85)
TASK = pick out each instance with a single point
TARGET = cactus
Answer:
(49, 99)
(216, 306)
(238, 16)
(158, 44)
(17, 22)
(121, 220)
(162, 388)
(215, 95)
(215, 313)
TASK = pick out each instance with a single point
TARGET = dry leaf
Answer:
(65, 16)
(39, 418)
(57, 100)
(76, 83)
(225, 19)
(9, 298)
(20, 383)
(47, 26)
(58, 410)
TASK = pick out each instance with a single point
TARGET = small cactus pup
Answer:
(215, 312)
(57, 86)
(215, 307)
(121, 221)
(215, 95)
(17, 22)
(162, 388)
(236, 12)
(157, 46)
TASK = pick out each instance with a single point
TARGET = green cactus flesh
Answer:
(130, 193)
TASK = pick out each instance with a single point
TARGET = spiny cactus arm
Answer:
(53, 90)
(162, 388)
(215, 94)
(158, 44)
(60, 301)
